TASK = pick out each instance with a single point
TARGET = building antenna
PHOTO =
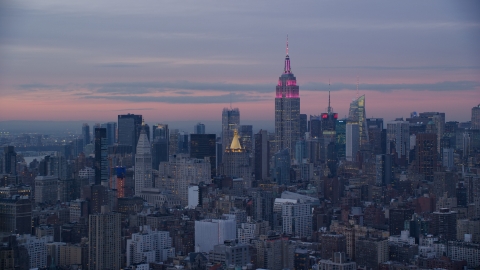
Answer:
(329, 108)
(230, 99)
(287, 44)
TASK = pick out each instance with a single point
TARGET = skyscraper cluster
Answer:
(317, 192)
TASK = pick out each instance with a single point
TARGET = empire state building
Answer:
(287, 110)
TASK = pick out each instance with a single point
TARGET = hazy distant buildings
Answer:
(199, 128)
(86, 134)
(287, 110)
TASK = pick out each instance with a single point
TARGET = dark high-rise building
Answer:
(86, 134)
(199, 128)
(281, 167)
(375, 129)
(160, 131)
(461, 194)
(111, 128)
(9, 160)
(129, 127)
(444, 182)
(16, 216)
(246, 135)
(262, 164)
(476, 117)
(370, 252)
(160, 146)
(426, 154)
(303, 125)
(444, 224)
(340, 138)
(287, 110)
(101, 156)
(384, 169)
(315, 126)
(397, 219)
(332, 243)
(438, 119)
(202, 146)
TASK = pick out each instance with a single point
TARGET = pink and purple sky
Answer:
(186, 60)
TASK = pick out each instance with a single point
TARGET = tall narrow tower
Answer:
(287, 110)
(143, 164)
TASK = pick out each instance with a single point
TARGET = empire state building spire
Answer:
(287, 110)
(287, 69)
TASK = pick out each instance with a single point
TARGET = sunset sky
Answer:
(186, 60)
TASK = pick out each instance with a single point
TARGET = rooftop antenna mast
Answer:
(287, 44)
(329, 110)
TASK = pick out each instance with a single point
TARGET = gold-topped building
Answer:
(236, 162)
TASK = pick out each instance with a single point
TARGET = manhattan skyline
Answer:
(187, 61)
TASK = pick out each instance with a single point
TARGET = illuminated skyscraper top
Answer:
(287, 109)
(357, 115)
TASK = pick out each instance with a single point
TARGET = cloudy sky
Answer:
(186, 60)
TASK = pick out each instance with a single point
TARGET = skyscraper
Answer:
(287, 110)
(111, 128)
(129, 126)
(476, 117)
(105, 239)
(202, 146)
(352, 143)
(236, 161)
(143, 164)
(160, 146)
(199, 128)
(101, 153)
(398, 133)
(426, 154)
(357, 115)
(281, 167)
(230, 122)
(261, 155)
(86, 134)
(9, 160)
